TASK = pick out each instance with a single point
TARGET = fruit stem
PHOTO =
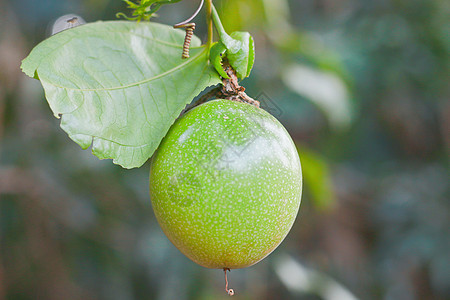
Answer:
(229, 291)
(209, 23)
(232, 90)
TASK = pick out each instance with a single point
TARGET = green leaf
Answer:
(240, 48)
(216, 55)
(243, 56)
(119, 85)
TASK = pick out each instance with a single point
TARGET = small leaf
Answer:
(216, 56)
(119, 85)
(242, 59)
(144, 9)
(240, 48)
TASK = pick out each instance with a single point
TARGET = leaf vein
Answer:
(178, 67)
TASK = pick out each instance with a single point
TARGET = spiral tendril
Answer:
(190, 27)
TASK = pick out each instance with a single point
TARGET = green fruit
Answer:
(226, 184)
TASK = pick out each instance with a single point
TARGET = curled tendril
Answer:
(144, 9)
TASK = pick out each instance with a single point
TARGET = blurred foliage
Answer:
(317, 178)
(74, 227)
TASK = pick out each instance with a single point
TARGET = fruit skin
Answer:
(225, 184)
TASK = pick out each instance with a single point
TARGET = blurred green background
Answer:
(362, 87)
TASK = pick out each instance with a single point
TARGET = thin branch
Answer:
(209, 23)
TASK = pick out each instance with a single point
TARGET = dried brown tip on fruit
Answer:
(229, 291)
